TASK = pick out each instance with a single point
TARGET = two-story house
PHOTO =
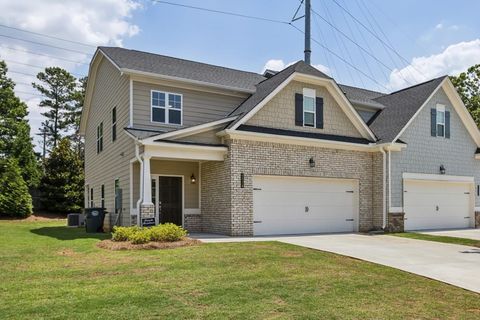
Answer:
(227, 151)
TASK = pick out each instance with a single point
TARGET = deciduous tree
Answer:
(468, 86)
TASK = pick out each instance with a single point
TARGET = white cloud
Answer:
(455, 59)
(94, 22)
(278, 64)
(439, 26)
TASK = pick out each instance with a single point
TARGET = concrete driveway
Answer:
(453, 264)
(460, 233)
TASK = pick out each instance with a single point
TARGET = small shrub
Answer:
(167, 232)
(123, 233)
(140, 237)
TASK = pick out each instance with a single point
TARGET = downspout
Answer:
(389, 178)
(137, 155)
(384, 185)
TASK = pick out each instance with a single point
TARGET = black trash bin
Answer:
(94, 219)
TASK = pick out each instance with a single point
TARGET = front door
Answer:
(169, 200)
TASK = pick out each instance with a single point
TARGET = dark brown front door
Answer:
(170, 197)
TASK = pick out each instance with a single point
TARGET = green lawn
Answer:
(49, 271)
(444, 239)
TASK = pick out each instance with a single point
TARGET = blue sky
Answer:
(433, 38)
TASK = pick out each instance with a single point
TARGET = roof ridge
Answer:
(416, 85)
(183, 59)
(365, 89)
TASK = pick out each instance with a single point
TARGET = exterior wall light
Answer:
(312, 162)
(442, 169)
(193, 180)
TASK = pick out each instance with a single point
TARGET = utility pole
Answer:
(308, 50)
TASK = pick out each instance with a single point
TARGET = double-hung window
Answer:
(114, 124)
(102, 196)
(91, 197)
(440, 120)
(117, 198)
(167, 107)
(309, 107)
(100, 137)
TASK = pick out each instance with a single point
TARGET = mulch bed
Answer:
(125, 245)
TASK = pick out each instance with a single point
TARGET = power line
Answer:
(372, 33)
(44, 44)
(48, 36)
(354, 42)
(42, 54)
(221, 12)
(341, 58)
(40, 67)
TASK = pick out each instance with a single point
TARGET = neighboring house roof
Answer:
(267, 86)
(400, 107)
(183, 69)
(303, 134)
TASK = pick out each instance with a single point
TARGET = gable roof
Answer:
(133, 60)
(266, 87)
(400, 107)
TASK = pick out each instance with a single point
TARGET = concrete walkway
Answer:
(453, 264)
(459, 233)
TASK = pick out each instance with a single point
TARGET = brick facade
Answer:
(227, 208)
(192, 222)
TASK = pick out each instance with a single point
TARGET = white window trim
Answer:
(309, 93)
(440, 108)
(166, 108)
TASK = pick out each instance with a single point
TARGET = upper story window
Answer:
(100, 137)
(167, 107)
(114, 124)
(309, 107)
(440, 120)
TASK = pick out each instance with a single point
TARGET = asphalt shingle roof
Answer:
(180, 68)
(267, 86)
(362, 96)
(395, 109)
(400, 106)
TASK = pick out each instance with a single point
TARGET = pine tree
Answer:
(15, 140)
(15, 201)
(63, 181)
(59, 87)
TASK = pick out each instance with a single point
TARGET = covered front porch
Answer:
(167, 183)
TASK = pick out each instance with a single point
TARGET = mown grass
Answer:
(48, 271)
(444, 239)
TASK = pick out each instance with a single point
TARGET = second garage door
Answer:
(437, 204)
(294, 205)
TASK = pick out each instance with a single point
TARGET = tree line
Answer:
(57, 173)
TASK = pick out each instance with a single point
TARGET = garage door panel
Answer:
(279, 205)
(436, 205)
(301, 198)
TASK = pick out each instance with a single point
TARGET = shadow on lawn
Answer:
(65, 233)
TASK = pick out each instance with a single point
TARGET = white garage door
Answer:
(293, 205)
(436, 204)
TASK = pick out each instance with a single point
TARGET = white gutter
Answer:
(137, 155)
(384, 194)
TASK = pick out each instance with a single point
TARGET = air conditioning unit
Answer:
(75, 220)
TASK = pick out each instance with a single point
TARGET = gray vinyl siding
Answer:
(425, 154)
(198, 107)
(111, 89)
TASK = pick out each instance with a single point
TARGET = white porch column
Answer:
(147, 181)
